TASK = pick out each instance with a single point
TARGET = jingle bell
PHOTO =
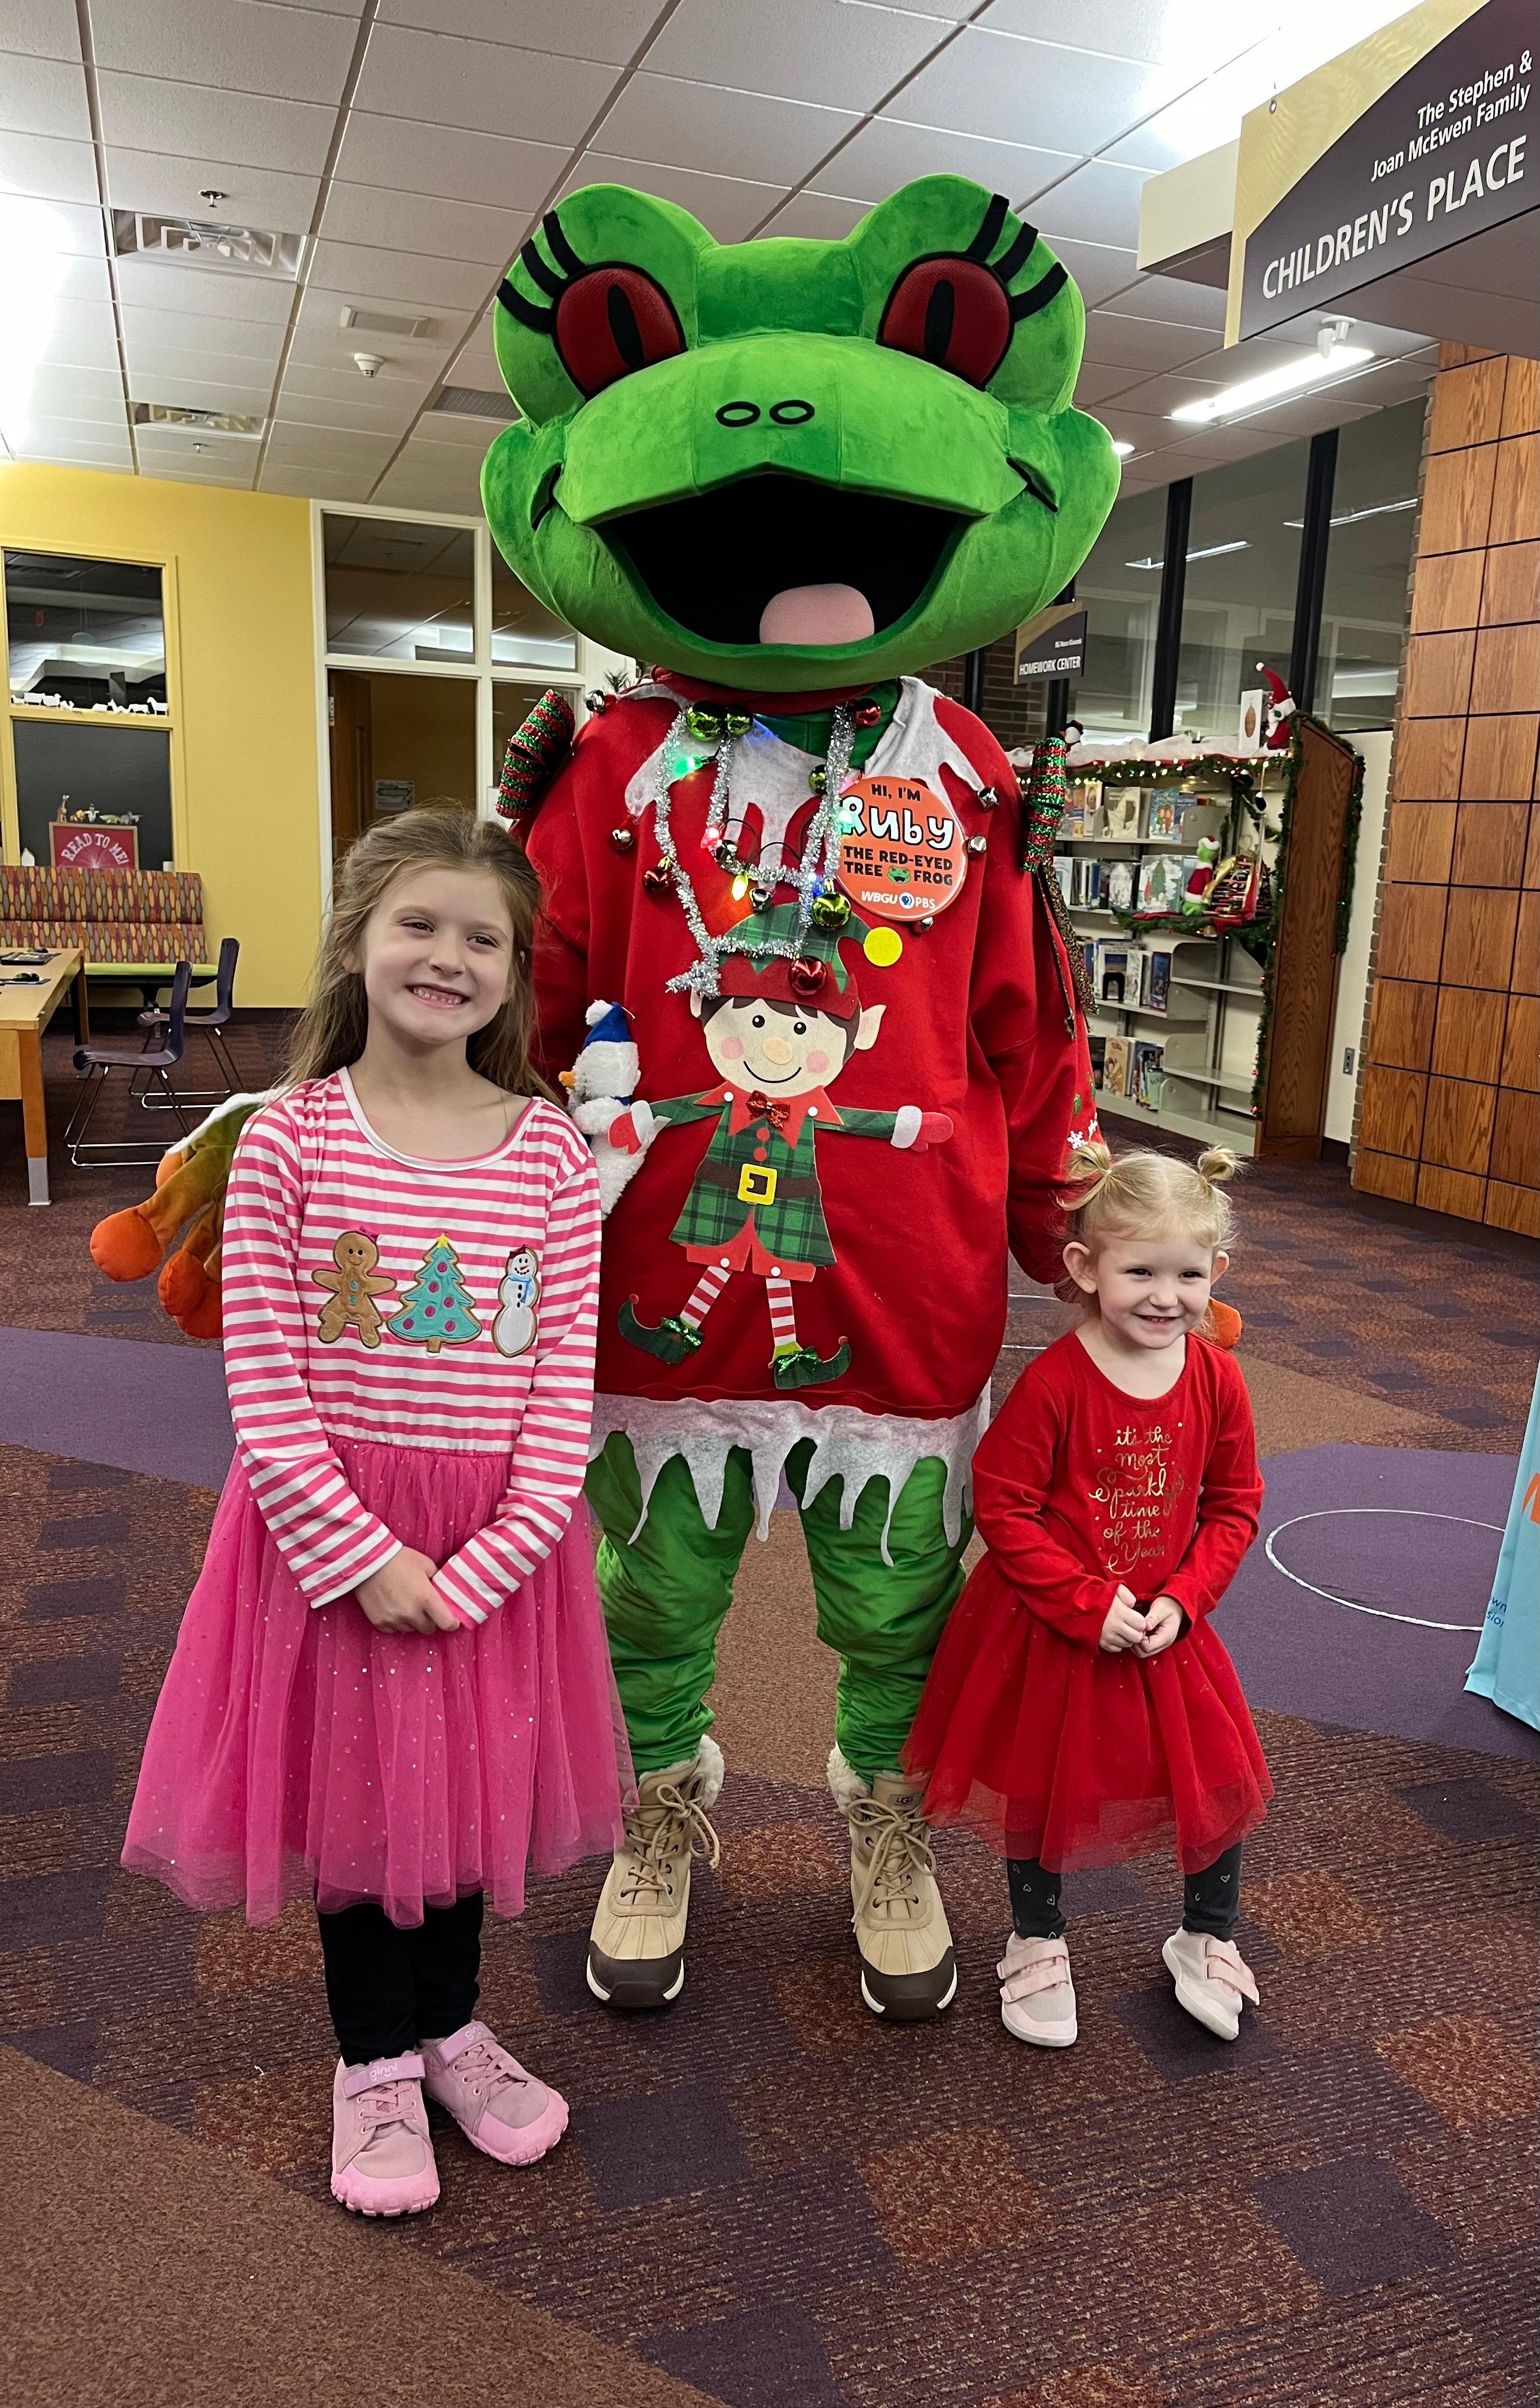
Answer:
(724, 856)
(656, 879)
(818, 779)
(979, 844)
(704, 725)
(831, 911)
(986, 798)
(623, 838)
(928, 921)
(738, 723)
(806, 979)
(865, 714)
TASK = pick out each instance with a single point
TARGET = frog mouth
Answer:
(715, 563)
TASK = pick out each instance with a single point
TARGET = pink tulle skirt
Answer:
(298, 1750)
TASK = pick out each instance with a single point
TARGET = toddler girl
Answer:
(391, 1687)
(1080, 1709)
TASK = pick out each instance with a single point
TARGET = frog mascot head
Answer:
(783, 466)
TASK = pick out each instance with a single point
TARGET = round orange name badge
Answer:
(904, 857)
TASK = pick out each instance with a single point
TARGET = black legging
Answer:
(1211, 1900)
(389, 1988)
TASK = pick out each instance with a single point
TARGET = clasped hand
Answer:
(401, 1595)
(1148, 1633)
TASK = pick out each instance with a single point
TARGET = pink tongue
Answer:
(817, 614)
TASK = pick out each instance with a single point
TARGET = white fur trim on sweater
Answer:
(848, 1444)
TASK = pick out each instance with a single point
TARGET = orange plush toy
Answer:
(189, 1199)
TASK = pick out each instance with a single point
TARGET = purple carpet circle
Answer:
(1397, 1513)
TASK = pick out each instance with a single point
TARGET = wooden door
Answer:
(351, 710)
(1306, 960)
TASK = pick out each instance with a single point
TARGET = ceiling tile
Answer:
(608, 30)
(1097, 204)
(1140, 344)
(1159, 32)
(153, 283)
(678, 124)
(413, 484)
(1095, 384)
(73, 230)
(1312, 413)
(46, 169)
(320, 342)
(162, 186)
(245, 397)
(1172, 302)
(444, 431)
(802, 49)
(329, 447)
(441, 80)
(1100, 271)
(196, 460)
(399, 384)
(186, 332)
(317, 484)
(81, 279)
(1146, 434)
(476, 363)
(339, 415)
(44, 29)
(84, 335)
(57, 444)
(156, 373)
(355, 273)
(890, 152)
(1159, 396)
(293, 53)
(996, 85)
(483, 167)
(411, 221)
(43, 96)
(1203, 118)
(823, 215)
(727, 209)
(142, 113)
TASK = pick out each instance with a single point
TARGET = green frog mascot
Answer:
(801, 963)
(795, 474)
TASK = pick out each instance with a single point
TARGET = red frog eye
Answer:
(952, 311)
(612, 321)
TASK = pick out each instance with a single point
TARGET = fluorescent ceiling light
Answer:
(1374, 510)
(1123, 450)
(1207, 551)
(1310, 369)
(32, 268)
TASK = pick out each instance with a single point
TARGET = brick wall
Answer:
(1449, 1111)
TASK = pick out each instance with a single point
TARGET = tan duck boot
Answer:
(907, 1969)
(636, 1950)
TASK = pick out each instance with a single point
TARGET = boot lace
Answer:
(386, 2103)
(486, 2068)
(898, 1851)
(655, 1833)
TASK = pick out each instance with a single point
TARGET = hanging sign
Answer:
(1052, 644)
(904, 856)
(1331, 195)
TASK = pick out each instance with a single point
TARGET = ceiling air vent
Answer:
(201, 421)
(377, 321)
(203, 243)
(469, 401)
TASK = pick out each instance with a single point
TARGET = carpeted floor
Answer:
(768, 2195)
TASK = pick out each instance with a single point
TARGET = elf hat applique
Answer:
(817, 977)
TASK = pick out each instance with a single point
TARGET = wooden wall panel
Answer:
(1450, 1105)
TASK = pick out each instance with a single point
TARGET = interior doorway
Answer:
(395, 743)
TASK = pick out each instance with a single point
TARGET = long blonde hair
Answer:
(1144, 1194)
(331, 1031)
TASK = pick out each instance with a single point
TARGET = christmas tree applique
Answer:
(437, 1309)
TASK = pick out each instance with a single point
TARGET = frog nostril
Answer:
(792, 413)
(738, 414)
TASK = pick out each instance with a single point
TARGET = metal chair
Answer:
(116, 1154)
(211, 1026)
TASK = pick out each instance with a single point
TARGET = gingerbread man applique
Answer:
(354, 1286)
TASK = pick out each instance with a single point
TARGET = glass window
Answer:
(1120, 589)
(397, 590)
(524, 634)
(1368, 564)
(1243, 550)
(88, 633)
(397, 742)
(64, 770)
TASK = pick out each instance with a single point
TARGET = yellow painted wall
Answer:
(241, 679)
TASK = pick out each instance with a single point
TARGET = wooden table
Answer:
(25, 1014)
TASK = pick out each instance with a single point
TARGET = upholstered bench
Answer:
(134, 924)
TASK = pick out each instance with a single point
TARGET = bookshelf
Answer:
(1219, 1034)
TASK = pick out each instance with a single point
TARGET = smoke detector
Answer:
(368, 363)
(204, 243)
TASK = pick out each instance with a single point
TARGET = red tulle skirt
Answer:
(298, 1750)
(1050, 1749)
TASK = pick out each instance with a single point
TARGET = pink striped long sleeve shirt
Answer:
(450, 1306)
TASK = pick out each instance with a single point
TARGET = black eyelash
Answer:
(553, 281)
(1046, 289)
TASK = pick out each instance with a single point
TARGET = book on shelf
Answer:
(1147, 1075)
(1088, 882)
(1158, 979)
(1123, 814)
(1160, 887)
(1164, 815)
(1118, 885)
(1080, 810)
(1112, 973)
(1118, 1063)
(1063, 869)
(1098, 1046)
(1088, 955)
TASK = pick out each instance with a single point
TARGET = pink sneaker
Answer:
(1036, 1995)
(382, 2159)
(499, 2107)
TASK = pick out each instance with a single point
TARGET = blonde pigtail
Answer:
(1218, 1165)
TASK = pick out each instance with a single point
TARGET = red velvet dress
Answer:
(1031, 1735)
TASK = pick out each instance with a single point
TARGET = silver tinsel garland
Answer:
(813, 875)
